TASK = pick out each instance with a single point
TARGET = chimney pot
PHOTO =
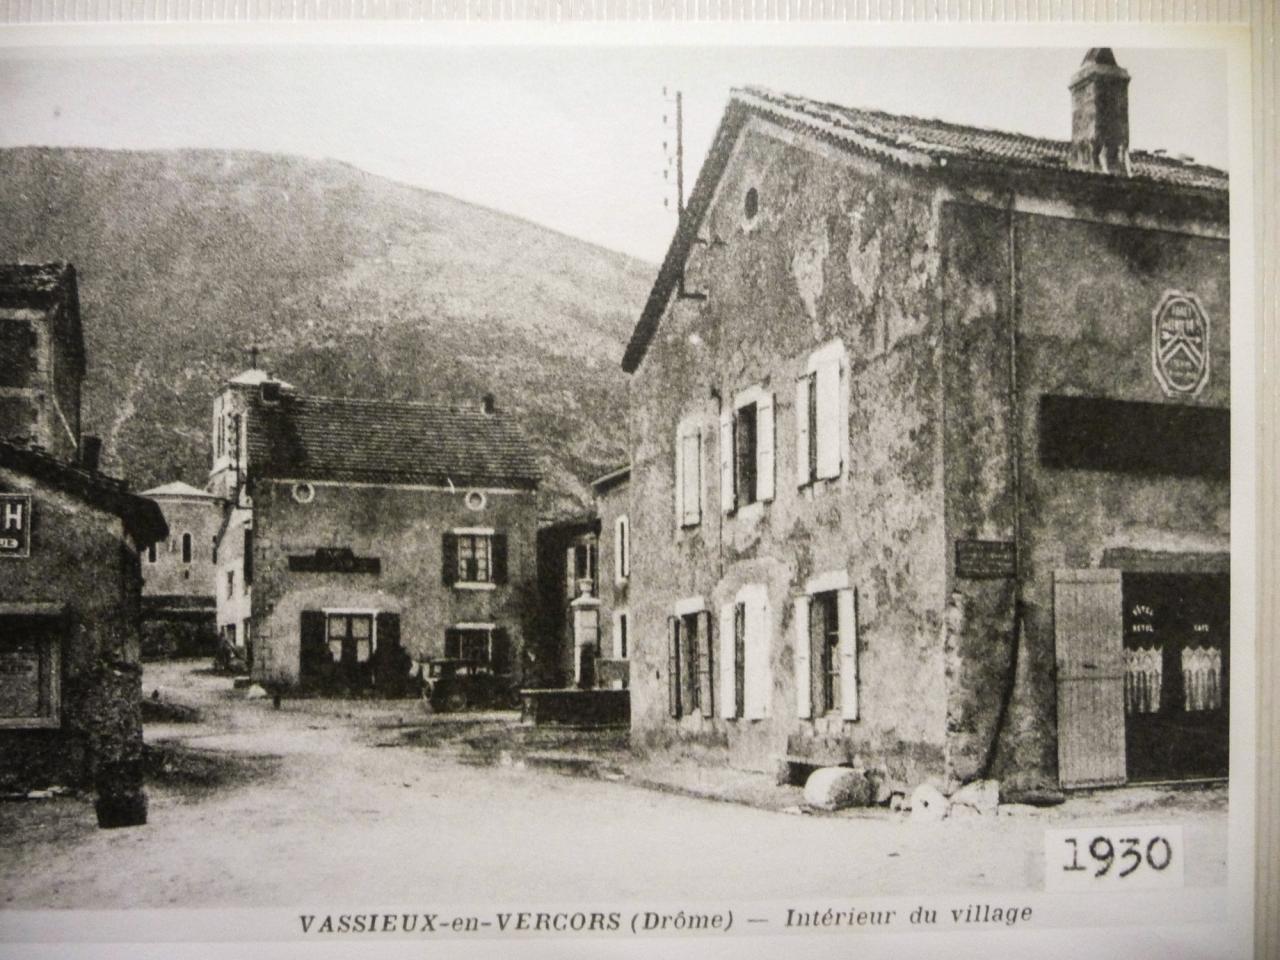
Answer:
(1100, 115)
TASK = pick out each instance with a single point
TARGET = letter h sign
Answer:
(15, 525)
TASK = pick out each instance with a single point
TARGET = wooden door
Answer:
(1088, 625)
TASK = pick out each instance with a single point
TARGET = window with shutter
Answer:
(828, 420)
(847, 614)
(673, 666)
(744, 454)
(824, 637)
(728, 660)
(706, 664)
(621, 549)
(739, 659)
(806, 413)
(728, 474)
(690, 478)
(757, 681)
(800, 647)
(248, 555)
(764, 448)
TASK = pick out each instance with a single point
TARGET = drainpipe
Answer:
(1015, 442)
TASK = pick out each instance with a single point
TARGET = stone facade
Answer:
(178, 575)
(952, 306)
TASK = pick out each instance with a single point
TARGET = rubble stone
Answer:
(982, 796)
(928, 804)
(833, 788)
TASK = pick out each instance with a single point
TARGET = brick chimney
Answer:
(1100, 115)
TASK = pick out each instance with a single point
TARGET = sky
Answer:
(569, 137)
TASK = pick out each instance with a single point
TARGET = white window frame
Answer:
(620, 617)
(486, 628)
(687, 428)
(328, 612)
(461, 584)
(830, 464)
(765, 453)
(621, 550)
(837, 582)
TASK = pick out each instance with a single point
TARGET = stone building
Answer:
(362, 537)
(41, 357)
(583, 573)
(929, 443)
(178, 607)
(70, 581)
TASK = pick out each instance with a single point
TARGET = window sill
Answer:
(471, 585)
(30, 723)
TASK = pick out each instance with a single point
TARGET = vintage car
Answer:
(450, 684)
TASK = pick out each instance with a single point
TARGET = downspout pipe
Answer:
(1015, 445)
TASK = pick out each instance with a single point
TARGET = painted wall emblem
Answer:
(1180, 345)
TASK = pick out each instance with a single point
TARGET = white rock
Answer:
(255, 692)
(832, 788)
(983, 796)
(928, 803)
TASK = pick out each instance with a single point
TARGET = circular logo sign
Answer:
(1180, 345)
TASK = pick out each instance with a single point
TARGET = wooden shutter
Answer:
(388, 630)
(728, 660)
(830, 418)
(449, 559)
(801, 657)
(691, 482)
(756, 695)
(1088, 627)
(673, 666)
(679, 480)
(499, 558)
(803, 387)
(764, 448)
(728, 486)
(313, 650)
(500, 651)
(847, 624)
(706, 665)
(739, 659)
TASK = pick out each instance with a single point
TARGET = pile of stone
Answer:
(838, 788)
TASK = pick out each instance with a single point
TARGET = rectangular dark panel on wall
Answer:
(1125, 436)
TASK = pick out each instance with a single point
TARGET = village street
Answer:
(374, 802)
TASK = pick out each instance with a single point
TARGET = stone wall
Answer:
(838, 250)
(82, 561)
(403, 528)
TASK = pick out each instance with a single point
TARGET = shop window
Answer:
(474, 557)
(821, 421)
(30, 672)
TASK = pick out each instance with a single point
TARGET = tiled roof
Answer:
(910, 142)
(908, 139)
(141, 516)
(378, 441)
(179, 489)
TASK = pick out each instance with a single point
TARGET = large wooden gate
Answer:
(1088, 618)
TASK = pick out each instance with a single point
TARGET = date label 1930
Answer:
(1115, 857)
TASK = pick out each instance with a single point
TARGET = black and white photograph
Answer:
(614, 490)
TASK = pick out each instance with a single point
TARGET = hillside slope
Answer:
(350, 284)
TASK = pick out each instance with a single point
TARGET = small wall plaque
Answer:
(15, 525)
(985, 559)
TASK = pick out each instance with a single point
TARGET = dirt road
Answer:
(323, 801)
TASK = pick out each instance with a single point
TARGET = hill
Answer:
(350, 284)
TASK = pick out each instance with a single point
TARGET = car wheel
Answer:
(455, 701)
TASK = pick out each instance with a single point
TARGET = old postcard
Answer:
(582, 491)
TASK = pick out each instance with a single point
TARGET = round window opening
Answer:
(751, 204)
(304, 492)
(474, 500)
